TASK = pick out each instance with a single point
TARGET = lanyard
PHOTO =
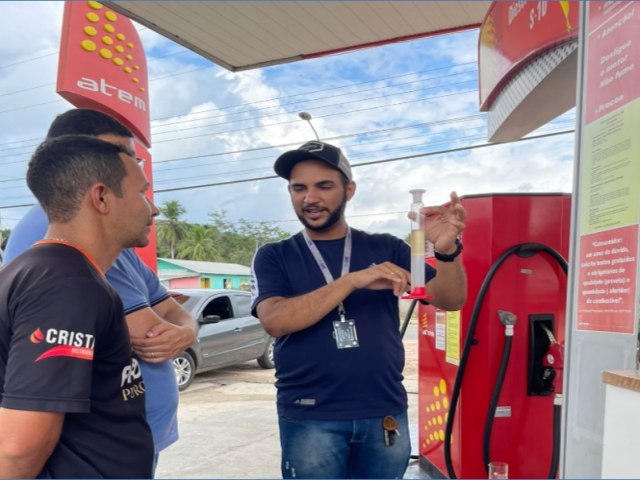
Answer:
(326, 273)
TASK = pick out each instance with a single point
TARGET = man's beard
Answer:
(334, 218)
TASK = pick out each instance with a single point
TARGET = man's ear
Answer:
(351, 190)
(98, 194)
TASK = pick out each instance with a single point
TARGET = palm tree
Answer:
(199, 244)
(172, 229)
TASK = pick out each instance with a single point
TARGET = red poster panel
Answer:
(102, 65)
(614, 53)
(148, 254)
(514, 32)
(607, 280)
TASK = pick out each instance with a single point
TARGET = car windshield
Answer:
(187, 301)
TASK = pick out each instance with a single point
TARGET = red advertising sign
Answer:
(613, 54)
(607, 280)
(513, 32)
(102, 65)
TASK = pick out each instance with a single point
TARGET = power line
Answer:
(315, 109)
(274, 99)
(423, 140)
(237, 130)
(374, 162)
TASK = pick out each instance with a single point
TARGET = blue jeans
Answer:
(343, 448)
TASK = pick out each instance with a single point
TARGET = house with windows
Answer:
(194, 274)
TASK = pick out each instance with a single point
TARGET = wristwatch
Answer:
(451, 256)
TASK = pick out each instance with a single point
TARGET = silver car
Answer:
(228, 333)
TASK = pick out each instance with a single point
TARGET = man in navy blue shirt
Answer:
(330, 295)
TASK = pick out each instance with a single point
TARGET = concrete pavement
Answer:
(229, 427)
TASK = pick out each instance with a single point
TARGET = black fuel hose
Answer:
(493, 404)
(407, 318)
(555, 453)
(523, 250)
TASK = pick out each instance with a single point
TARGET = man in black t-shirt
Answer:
(72, 395)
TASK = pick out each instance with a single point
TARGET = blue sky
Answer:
(378, 104)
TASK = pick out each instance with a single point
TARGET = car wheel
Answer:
(266, 360)
(185, 369)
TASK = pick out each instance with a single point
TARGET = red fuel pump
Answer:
(490, 376)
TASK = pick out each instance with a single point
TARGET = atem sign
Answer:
(102, 65)
(101, 85)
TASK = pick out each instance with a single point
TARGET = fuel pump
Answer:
(497, 365)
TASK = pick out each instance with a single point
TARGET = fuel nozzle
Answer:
(508, 319)
(553, 360)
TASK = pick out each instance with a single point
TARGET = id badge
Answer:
(345, 334)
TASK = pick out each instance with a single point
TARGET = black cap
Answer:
(314, 150)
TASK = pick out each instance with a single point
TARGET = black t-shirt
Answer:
(64, 347)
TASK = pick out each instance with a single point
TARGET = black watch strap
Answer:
(450, 257)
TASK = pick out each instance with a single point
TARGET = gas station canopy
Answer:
(245, 35)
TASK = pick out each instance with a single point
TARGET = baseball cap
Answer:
(325, 152)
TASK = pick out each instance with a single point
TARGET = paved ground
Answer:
(228, 424)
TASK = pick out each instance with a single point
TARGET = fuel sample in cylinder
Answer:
(417, 247)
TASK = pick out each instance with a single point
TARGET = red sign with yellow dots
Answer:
(102, 65)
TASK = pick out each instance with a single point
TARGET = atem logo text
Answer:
(107, 90)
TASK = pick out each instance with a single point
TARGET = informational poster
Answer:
(610, 175)
(452, 354)
(606, 284)
(441, 334)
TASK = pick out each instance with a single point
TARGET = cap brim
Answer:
(285, 162)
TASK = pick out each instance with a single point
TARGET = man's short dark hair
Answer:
(84, 121)
(63, 168)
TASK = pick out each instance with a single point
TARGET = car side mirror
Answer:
(210, 319)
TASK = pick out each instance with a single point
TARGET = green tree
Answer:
(199, 244)
(4, 235)
(238, 242)
(171, 229)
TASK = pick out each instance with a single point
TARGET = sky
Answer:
(209, 125)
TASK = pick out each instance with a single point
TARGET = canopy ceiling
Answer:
(245, 35)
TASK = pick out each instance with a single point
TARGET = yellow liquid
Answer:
(417, 242)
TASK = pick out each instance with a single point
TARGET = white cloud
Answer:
(218, 119)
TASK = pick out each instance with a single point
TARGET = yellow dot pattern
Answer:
(113, 45)
(88, 46)
(438, 414)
